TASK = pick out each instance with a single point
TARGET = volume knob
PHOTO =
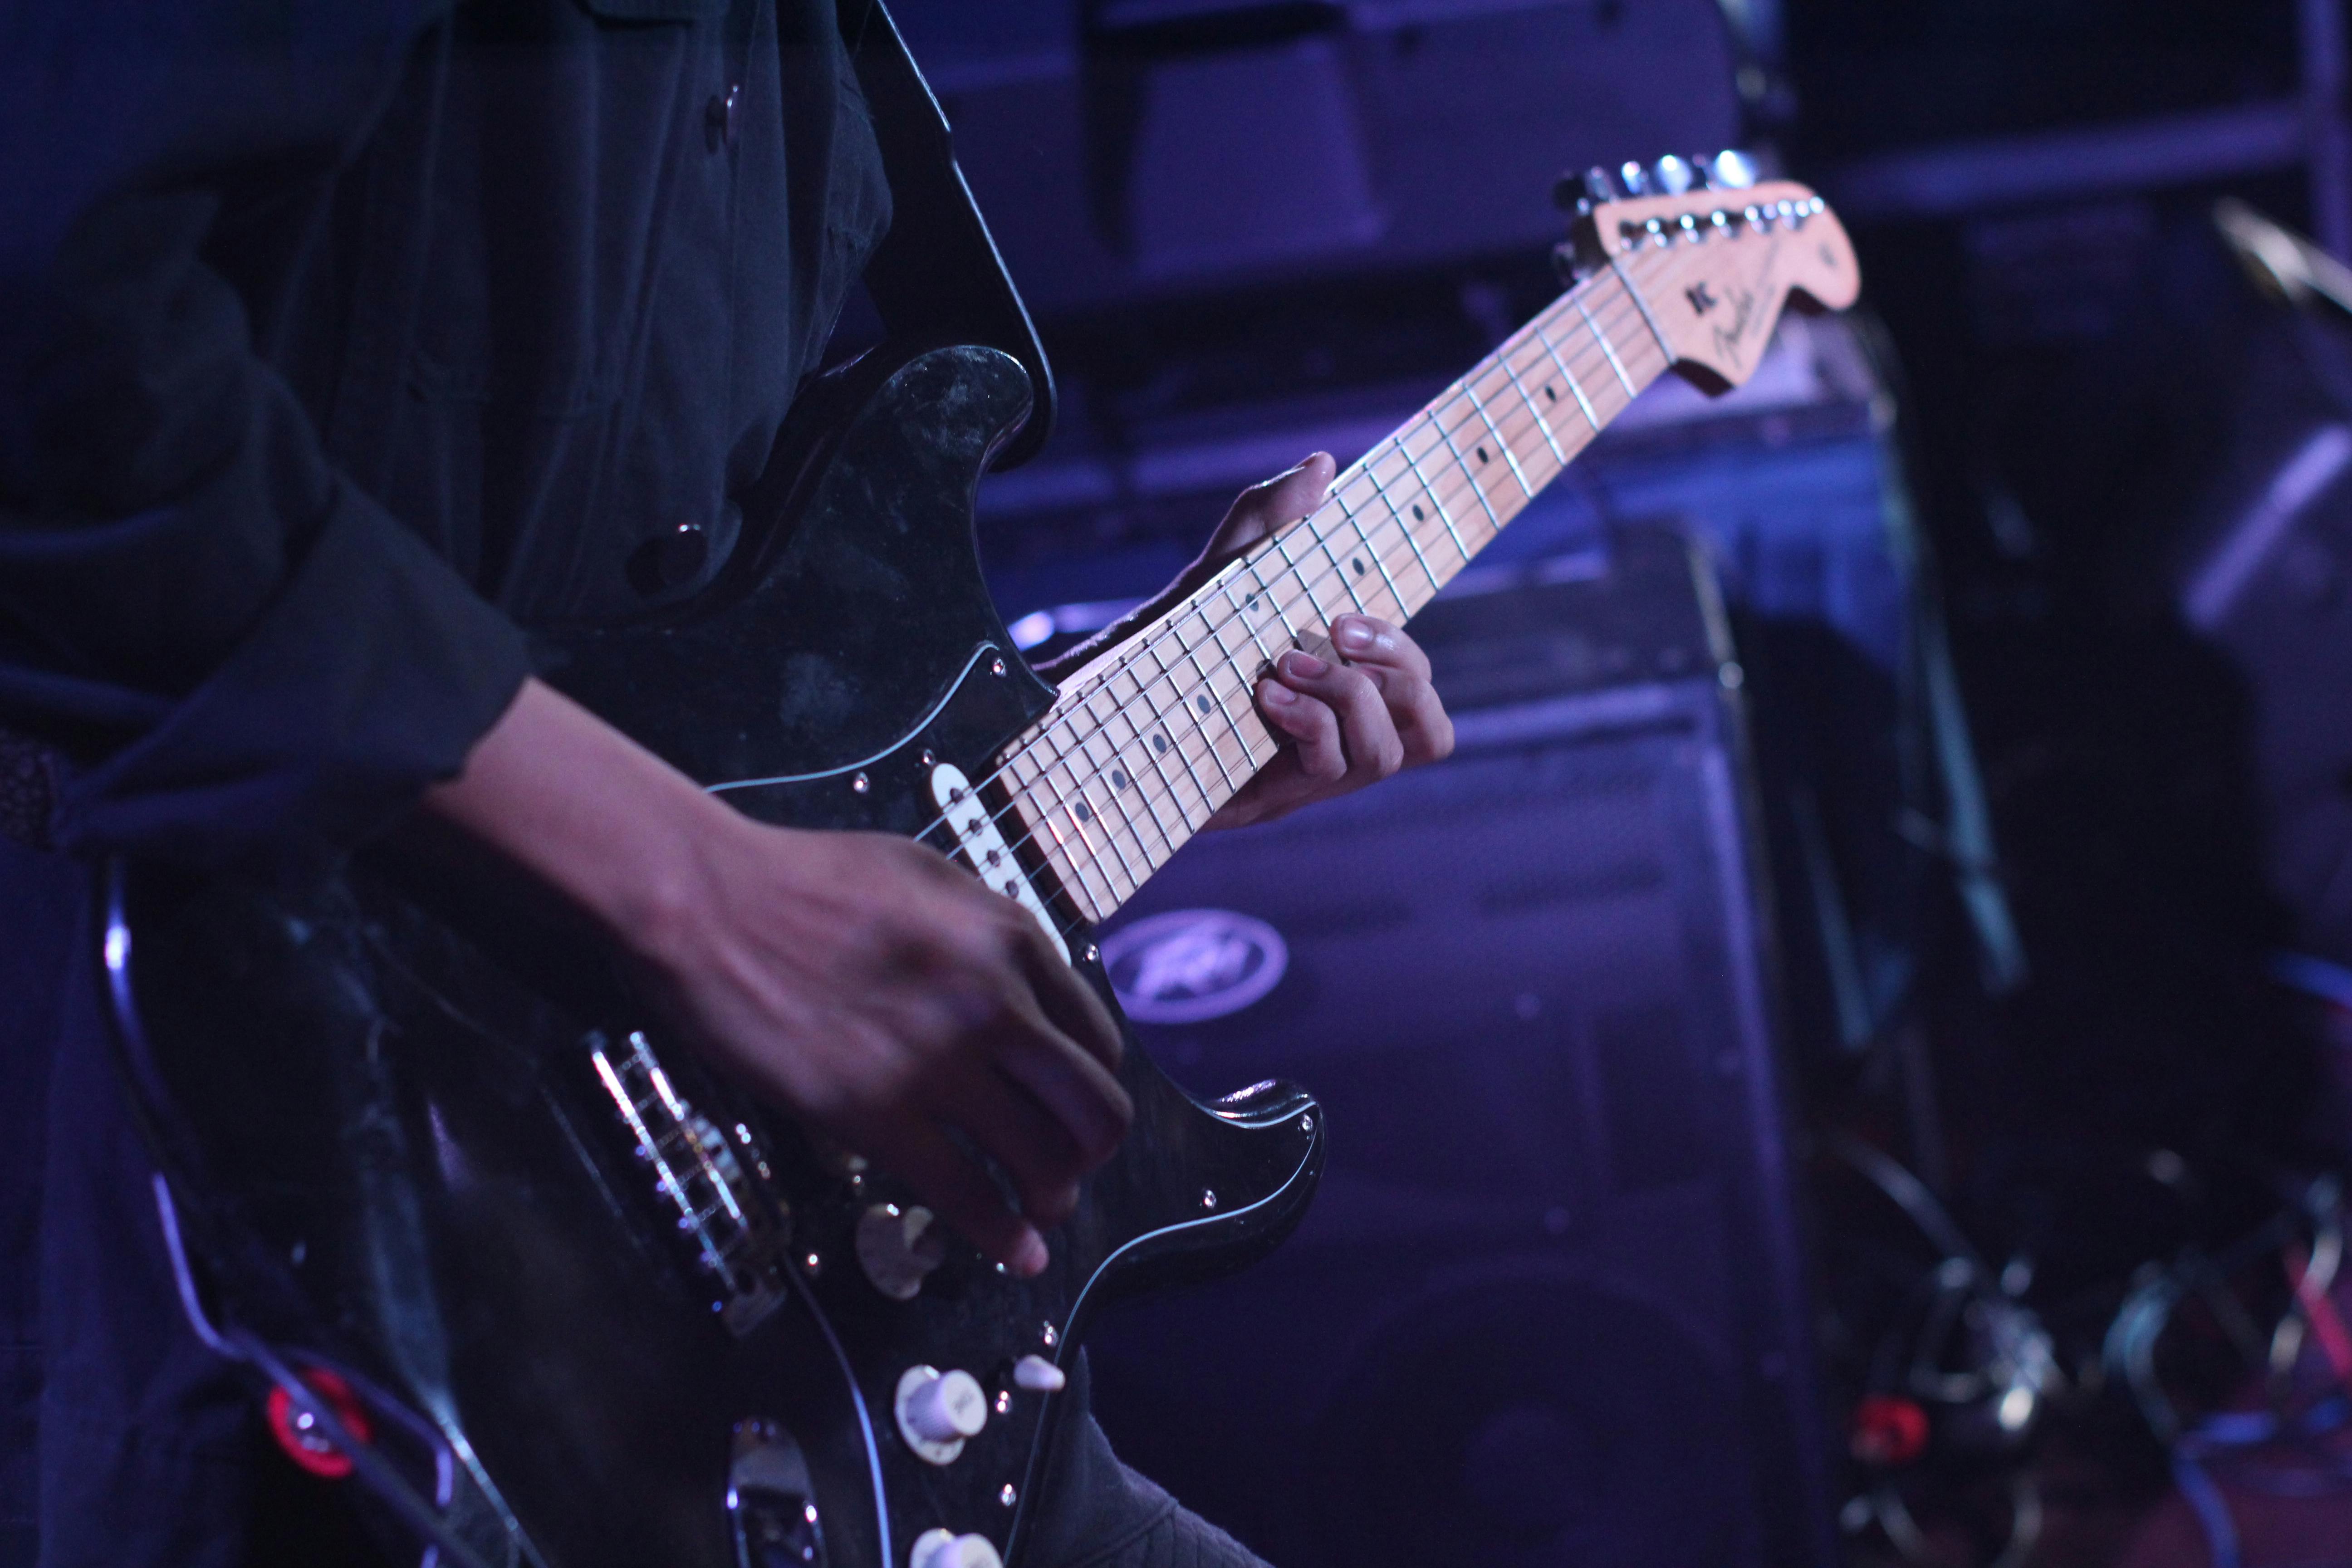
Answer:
(945, 1548)
(938, 1411)
(898, 1248)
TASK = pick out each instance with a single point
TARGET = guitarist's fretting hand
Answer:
(1351, 721)
(859, 980)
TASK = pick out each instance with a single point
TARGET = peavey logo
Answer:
(1189, 965)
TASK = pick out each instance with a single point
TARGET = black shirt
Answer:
(341, 343)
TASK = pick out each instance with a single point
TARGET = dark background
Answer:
(1245, 230)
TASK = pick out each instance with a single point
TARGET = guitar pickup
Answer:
(983, 847)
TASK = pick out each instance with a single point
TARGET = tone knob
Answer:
(938, 1411)
(898, 1248)
(945, 1548)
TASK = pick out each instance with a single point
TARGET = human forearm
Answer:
(589, 813)
(857, 979)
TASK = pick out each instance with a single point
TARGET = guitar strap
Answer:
(937, 278)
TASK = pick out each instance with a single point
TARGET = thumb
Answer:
(1265, 509)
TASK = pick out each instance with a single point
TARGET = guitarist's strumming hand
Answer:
(859, 980)
(1351, 721)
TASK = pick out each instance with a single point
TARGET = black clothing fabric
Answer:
(125, 1443)
(345, 343)
(342, 344)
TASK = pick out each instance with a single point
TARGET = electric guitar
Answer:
(559, 1297)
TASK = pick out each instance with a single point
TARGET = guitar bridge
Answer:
(733, 1221)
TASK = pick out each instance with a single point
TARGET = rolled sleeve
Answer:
(231, 644)
(372, 675)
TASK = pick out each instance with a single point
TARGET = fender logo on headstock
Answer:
(1702, 298)
(1743, 315)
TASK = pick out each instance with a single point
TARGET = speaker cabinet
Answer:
(1549, 1307)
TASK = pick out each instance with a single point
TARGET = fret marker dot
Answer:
(1202, 703)
(1159, 744)
(1550, 394)
(1482, 454)
(1358, 565)
(1416, 513)
(1086, 812)
(1118, 779)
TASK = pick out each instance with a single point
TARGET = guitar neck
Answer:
(1146, 743)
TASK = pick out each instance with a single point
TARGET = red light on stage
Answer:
(300, 1433)
(1887, 1430)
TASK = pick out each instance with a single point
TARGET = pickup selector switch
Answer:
(1038, 1376)
(899, 1247)
(945, 1548)
(938, 1411)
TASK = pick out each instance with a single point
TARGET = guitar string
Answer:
(1365, 470)
(1615, 313)
(1084, 860)
(1084, 856)
(1438, 492)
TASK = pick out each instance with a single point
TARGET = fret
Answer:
(1153, 749)
(1206, 691)
(1339, 568)
(1484, 505)
(1075, 877)
(1557, 455)
(1245, 688)
(1479, 408)
(1609, 352)
(1241, 614)
(1117, 767)
(1372, 472)
(1436, 581)
(1404, 611)
(1272, 602)
(1152, 647)
(1575, 389)
(1118, 817)
(1618, 267)
(1307, 588)
(1081, 813)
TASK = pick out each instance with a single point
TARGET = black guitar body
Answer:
(416, 1142)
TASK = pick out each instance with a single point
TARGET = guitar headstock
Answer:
(1717, 263)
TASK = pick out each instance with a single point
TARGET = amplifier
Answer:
(1550, 1304)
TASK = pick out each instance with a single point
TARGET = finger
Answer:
(1375, 643)
(1368, 735)
(1422, 722)
(960, 1192)
(1265, 508)
(1316, 750)
(1077, 1091)
(1401, 671)
(1069, 1002)
(1022, 1138)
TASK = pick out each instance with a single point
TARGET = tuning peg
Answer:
(1671, 176)
(1580, 193)
(1731, 170)
(1634, 178)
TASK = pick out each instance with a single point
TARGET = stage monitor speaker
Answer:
(1549, 1307)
